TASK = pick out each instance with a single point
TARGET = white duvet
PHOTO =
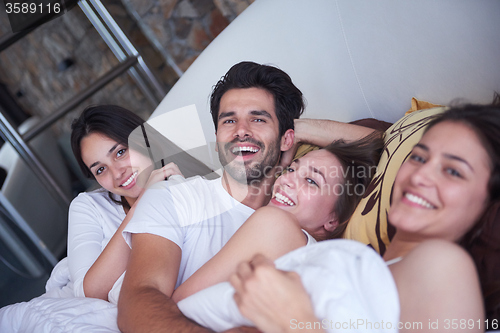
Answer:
(349, 284)
(48, 314)
(59, 311)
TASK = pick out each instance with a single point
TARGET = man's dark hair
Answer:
(288, 100)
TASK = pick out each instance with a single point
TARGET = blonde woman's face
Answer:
(441, 190)
(309, 190)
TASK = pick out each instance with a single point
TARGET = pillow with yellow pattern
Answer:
(369, 221)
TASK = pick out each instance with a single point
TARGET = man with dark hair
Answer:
(178, 226)
(248, 80)
(288, 100)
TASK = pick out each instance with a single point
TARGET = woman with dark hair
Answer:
(427, 281)
(97, 252)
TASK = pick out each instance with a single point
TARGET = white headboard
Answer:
(356, 58)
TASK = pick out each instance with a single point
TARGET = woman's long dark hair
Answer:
(113, 121)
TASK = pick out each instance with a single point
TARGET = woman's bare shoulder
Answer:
(275, 221)
(438, 252)
(438, 279)
(274, 212)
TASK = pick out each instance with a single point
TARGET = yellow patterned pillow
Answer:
(369, 222)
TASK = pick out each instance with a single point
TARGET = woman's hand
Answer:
(272, 299)
(163, 173)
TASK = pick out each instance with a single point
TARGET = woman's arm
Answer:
(109, 264)
(269, 231)
(438, 284)
(89, 224)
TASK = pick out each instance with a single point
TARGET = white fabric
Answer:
(196, 214)
(93, 220)
(310, 239)
(354, 59)
(59, 315)
(114, 294)
(349, 284)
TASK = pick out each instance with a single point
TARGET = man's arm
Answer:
(145, 304)
(321, 132)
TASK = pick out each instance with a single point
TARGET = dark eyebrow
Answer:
(253, 113)
(422, 146)
(448, 156)
(93, 165)
(113, 148)
(109, 152)
(314, 169)
(261, 113)
(319, 172)
(226, 114)
(457, 158)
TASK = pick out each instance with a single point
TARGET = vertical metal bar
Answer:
(120, 46)
(20, 251)
(152, 37)
(126, 44)
(24, 226)
(10, 134)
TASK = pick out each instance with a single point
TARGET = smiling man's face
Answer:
(248, 140)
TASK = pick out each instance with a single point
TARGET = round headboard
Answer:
(354, 59)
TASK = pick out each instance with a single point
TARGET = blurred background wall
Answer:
(48, 66)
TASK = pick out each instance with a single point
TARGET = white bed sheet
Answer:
(59, 311)
(48, 314)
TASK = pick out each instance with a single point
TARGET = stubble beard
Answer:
(252, 172)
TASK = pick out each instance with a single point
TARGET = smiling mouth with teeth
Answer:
(244, 150)
(283, 200)
(126, 183)
(419, 201)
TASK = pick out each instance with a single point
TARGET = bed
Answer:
(352, 59)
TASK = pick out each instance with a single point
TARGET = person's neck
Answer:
(254, 195)
(131, 202)
(399, 247)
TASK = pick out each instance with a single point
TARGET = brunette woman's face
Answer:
(115, 167)
(309, 190)
(441, 190)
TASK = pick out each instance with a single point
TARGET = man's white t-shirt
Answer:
(196, 214)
